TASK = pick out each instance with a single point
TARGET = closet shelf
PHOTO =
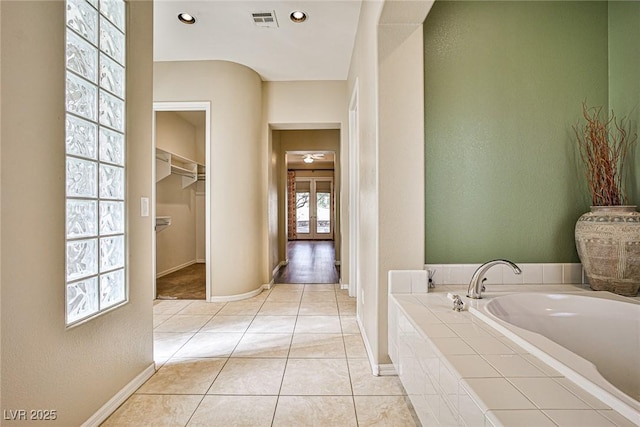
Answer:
(168, 163)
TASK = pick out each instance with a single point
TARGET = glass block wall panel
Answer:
(82, 57)
(82, 299)
(95, 163)
(81, 218)
(81, 137)
(112, 290)
(111, 218)
(111, 147)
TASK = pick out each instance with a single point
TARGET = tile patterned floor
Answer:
(291, 356)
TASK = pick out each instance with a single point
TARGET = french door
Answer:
(314, 208)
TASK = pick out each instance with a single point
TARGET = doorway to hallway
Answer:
(309, 261)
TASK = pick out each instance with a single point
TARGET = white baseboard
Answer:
(344, 285)
(375, 368)
(171, 270)
(109, 408)
(238, 297)
(387, 370)
(201, 261)
(338, 262)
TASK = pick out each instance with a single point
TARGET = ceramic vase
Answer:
(608, 243)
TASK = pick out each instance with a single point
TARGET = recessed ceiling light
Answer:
(298, 16)
(186, 18)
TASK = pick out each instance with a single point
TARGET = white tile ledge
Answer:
(408, 341)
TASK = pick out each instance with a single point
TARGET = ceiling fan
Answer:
(309, 157)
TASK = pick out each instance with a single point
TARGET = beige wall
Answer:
(176, 244)
(44, 365)
(176, 135)
(387, 69)
(305, 140)
(301, 105)
(235, 166)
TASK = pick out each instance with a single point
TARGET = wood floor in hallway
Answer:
(310, 261)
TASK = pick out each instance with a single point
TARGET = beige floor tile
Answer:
(318, 325)
(157, 410)
(250, 377)
(209, 344)
(319, 297)
(317, 346)
(271, 308)
(202, 307)
(347, 308)
(237, 411)
(315, 411)
(184, 323)
(183, 376)
(349, 325)
(272, 325)
(240, 308)
(169, 306)
(354, 345)
(302, 377)
(320, 287)
(263, 345)
(165, 344)
(383, 411)
(159, 318)
(228, 324)
(318, 309)
(284, 296)
(364, 383)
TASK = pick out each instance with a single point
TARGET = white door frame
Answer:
(354, 193)
(187, 106)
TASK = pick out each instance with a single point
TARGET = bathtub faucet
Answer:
(476, 286)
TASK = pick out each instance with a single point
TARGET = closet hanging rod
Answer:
(189, 175)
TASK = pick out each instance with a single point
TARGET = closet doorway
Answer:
(181, 200)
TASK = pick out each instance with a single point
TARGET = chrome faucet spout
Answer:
(476, 285)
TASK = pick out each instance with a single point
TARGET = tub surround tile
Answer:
(546, 393)
(451, 346)
(471, 366)
(316, 411)
(240, 411)
(575, 418)
(618, 419)
(496, 393)
(583, 395)
(526, 418)
(488, 345)
(552, 273)
(531, 273)
(548, 370)
(513, 365)
(468, 330)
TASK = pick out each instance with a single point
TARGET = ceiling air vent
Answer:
(265, 19)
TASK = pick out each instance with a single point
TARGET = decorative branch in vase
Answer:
(608, 237)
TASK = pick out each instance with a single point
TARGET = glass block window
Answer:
(95, 158)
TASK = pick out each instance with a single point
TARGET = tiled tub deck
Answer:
(459, 371)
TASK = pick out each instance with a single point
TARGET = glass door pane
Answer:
(323, 209)
(302, 212)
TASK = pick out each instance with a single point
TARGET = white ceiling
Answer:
(318, 49)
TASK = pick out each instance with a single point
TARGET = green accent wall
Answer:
(504, 82)
(624, 76)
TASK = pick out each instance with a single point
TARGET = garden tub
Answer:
(592, 340)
